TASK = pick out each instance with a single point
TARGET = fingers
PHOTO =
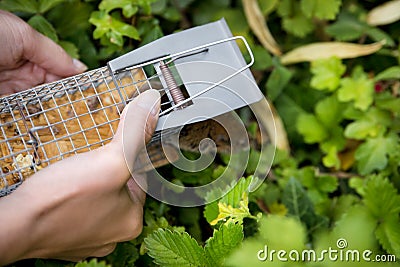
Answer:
(136, 186)
(137, 125)
(42, 51)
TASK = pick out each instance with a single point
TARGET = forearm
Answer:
(16, 232)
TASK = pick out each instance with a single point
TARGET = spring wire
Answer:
(174, 89)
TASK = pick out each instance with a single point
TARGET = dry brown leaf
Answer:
(271, 123)
(384, 14)
(257, 23)
(316, 51)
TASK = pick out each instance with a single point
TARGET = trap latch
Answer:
(203, 70)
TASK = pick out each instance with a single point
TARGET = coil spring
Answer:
(174, 90)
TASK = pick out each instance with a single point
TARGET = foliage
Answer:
(341, 112)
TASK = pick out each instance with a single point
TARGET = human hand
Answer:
(28, 58)
(81, 206)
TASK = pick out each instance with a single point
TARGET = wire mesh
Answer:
(53, 121)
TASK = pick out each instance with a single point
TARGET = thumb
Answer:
(138, 122)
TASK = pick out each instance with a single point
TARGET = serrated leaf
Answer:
(174, 249)
(372, 124)
(358, 88)
(389, 74)
(295, 198)
(372, 155)
(211, 211)
(327, 73)
(316, 51)
(321, 9)
(28, 6)
(257, 23)
(381, 197)
(46, 5)
(42, 25)
(227, 213)
(388, 234)
(384, 14)
(312, 130)
(224, 240)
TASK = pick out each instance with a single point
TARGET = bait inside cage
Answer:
(48, 123)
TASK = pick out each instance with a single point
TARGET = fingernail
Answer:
(79, 65)
(149, 100)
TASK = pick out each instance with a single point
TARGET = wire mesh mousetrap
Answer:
(200, 73)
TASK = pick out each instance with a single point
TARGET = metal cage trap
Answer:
(200, 73)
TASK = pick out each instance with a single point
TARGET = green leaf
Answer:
(262, 59)
(28, 6)
(346, 28)
(329, 111)
(332, 146)
(125, 254)
(327, 73)
(70, 48)
(312, 130)
(92, 263)
(392, 73)
(234, 192)
(232, 206)
(298, 25)
(129, 7)
(388, 234)
(111, 28)
(42, 25)
(381, 197)
(372, 155)
(322, 9)
(285, 8)
(221, 244)
(267, 6)
(359, 88)
(46, 5)
(372, 124)
(277, 81)
(71, 13)
(174, 249)
(387, 101)
(295, 199)
(280, 232)
(172, 14)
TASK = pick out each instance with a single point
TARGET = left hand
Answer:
(28, 58)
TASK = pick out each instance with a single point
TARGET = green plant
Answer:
(331, 70)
